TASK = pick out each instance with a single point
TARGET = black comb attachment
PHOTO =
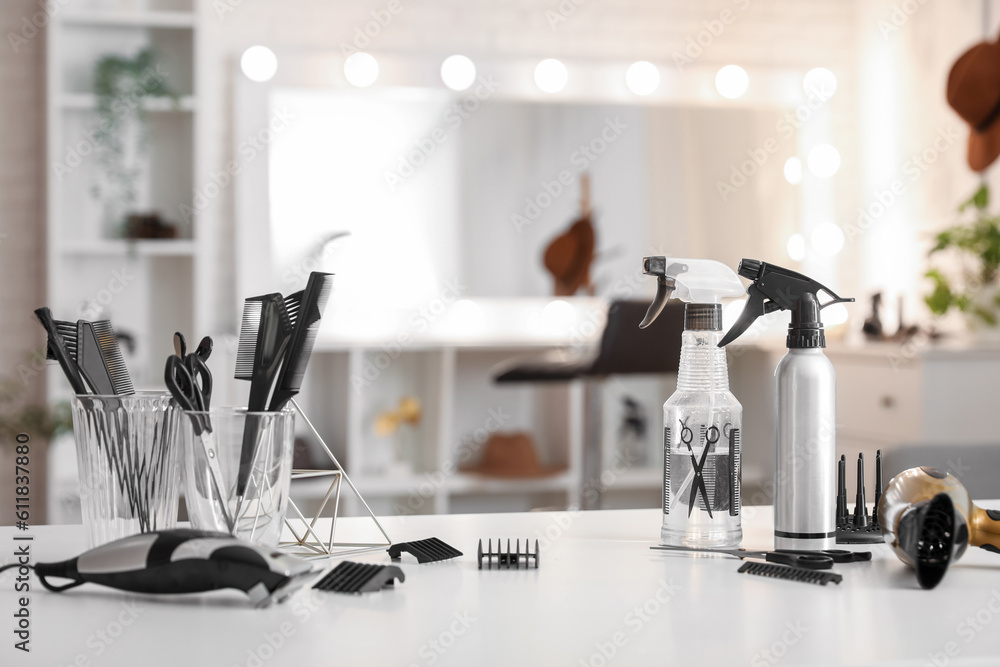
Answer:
(801, 574)
(351, 577)
(430, 550)
(508, 559)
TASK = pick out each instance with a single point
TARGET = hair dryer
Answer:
(928, 518)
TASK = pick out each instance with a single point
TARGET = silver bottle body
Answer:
(805, 470)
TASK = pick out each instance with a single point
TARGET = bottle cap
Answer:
(703, 317)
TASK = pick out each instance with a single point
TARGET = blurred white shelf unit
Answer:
(462, 407)
(147, 287)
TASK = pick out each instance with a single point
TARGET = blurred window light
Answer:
(793, 170)
(827, 239)
(259, 63)
(551, 75)
(642, 77)
(466, 317)
(458, 72)
(823, 160)
(361, 69)
(732, 81)
(558, 316)
(796, 247)
(820, 82)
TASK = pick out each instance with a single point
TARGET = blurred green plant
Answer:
(121, 85)
(41, 422)
(978, 243)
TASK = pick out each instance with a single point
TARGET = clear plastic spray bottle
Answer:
(702, 420)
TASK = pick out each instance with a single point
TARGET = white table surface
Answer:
(598, 584)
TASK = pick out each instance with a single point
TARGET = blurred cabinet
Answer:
(147, 287)
(887, 394)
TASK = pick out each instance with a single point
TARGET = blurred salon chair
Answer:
(625, 349)
(975, 465)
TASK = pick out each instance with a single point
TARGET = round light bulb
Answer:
(793, 170)
(820, 82)
(551, 75)
(823, 160)
(458, 72)
(259, 63)
(732, 81)
(797, 247)
(827, 239)
(361, 69)
(642, 77)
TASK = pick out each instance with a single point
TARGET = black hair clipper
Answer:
(184, 561)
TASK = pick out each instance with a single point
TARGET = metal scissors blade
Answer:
(809, 561)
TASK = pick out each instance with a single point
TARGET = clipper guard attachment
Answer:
(507, 559)
(351, 577)
(430, 550)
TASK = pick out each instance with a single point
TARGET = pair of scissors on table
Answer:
(810, 560)
(190, 383)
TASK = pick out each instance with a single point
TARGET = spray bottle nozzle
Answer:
(693, 280)
(777, 288)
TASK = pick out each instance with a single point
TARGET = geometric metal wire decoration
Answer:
(308, 541)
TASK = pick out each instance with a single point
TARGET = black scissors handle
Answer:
(809, 560)
(838, 555)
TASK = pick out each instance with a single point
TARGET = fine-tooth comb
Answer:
(264, 337)
(505, 558)
(304, 309)
(111, 355)
(821, 578)
(429, 550)
(351, 577)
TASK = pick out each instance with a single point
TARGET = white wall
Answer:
(763, 34)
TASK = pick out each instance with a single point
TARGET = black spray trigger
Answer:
(665, 285)
(777, 288)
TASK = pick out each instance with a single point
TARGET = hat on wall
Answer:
(974, 94)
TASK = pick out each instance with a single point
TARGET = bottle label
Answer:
(666, 470)
(736, 472)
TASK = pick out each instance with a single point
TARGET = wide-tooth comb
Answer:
(304, 309)
(56, 349)
(790, 573)
(111, 355)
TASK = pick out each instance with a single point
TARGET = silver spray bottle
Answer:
(806, 406)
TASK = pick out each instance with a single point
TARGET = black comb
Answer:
(304, 310)
(790, 573)
(430, 550)
(56, 349)
(507, 559)
(351, 577)
(101, 360)
(264, 337)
